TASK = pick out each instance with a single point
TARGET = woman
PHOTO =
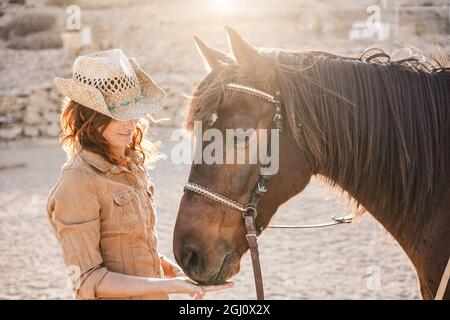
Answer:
(101, 209)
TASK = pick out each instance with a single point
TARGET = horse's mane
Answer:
(377, 127)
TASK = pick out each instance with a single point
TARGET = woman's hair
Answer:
(82, 128)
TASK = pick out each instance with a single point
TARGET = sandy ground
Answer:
(358, 261)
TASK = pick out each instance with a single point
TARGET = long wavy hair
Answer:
(82, 128)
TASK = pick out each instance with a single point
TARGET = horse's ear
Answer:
(213, 58)
(246, 56)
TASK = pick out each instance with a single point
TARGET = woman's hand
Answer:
(171, 269)
(184, 285)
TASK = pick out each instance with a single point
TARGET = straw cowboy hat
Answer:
(112, 84)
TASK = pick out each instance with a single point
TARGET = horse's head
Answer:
(209, 238)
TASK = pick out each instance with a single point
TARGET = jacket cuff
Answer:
(90, 284)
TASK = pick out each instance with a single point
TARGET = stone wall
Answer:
(31, 114)
(36, 113)
(158, 34)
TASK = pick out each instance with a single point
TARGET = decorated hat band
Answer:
(125, 102)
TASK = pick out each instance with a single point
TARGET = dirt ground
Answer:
(358, 261)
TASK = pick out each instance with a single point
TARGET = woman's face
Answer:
(119, 134)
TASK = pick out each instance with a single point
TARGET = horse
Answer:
(374, 128)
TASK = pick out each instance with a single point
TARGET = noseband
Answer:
(249, 211)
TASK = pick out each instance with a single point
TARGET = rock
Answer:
(42, 127)
(51, 117)
(6, 120)
(52, 130)
(20, 92)
(28, 23)
(56, 97)
(39, 101)
(47, 86)
(22, 103)
(10, 132)
(30, 131)
(50, 107)
(36, 41)
(11, 104)
(31, 117)
(15, 116)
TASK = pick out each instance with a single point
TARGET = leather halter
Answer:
(249, 211)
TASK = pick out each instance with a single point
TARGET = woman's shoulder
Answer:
(78, 165)
(75, 173)
(75, 183)
(75, 188)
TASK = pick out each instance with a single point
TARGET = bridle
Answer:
(249, 211)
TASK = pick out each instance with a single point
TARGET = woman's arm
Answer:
(73, 209)
(116, 285)
(74, 214)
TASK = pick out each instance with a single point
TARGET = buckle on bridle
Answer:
(249, 211)
(277, 117)
(261, 189)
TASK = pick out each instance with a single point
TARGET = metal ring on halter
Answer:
(247, 211)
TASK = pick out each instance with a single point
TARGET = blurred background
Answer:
(40, 39)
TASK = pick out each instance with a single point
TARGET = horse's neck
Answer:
(367, 189)
(429, 252)
(376, 175)
(403, 236)
(371, 204)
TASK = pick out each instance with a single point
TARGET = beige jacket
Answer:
(104, 219)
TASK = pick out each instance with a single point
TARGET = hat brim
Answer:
(84, 94)
(152, 95)
(89, 96)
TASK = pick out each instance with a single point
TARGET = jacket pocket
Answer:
(124, 207)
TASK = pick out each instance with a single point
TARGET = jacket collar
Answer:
(104, 165)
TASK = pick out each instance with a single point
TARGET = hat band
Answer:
(125, 102)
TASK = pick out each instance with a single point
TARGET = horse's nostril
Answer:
(192, 260)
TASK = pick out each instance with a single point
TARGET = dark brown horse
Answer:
(375, 128)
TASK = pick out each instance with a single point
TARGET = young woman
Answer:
(101, 208)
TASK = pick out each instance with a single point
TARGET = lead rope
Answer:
(444, 282)
(251, 207)
(208, 193)
(252, 241)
